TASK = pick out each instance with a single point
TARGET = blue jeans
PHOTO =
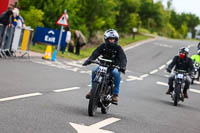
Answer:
(116, 75)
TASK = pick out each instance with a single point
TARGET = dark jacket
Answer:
(183, 64)
(5, 17)
(114, 53)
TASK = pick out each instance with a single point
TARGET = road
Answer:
(38, 96)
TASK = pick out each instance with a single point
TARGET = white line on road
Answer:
(104, 123)
(67, 89)
(165, 84)
(138, 44)
(154, 71)
(194, 90)
(161, 83)
(133, 78)
(20, 96)
(95, 128)
(144, 75)
(161, 67)
(169, 62)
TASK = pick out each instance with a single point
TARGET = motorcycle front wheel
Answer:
(177, 94)
(94, 98)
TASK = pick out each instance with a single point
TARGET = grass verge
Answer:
(85, 52)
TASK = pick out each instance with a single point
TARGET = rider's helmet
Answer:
(198, 52)
(183, 52)
(111, 33)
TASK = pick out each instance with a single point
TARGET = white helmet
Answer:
(111, 33)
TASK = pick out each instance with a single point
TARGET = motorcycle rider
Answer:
(196, 57)
(112, 51)
(183, 62)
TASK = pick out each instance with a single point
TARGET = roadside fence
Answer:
(15, 41)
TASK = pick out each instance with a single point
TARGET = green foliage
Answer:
(91, 16)
(33, 17)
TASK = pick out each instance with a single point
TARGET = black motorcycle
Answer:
(103, 84)
(177, 94)
(196, 74)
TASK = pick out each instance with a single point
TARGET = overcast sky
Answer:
(187, 6)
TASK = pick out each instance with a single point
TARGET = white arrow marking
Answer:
(95, 128)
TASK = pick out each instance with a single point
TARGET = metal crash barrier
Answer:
(15, 41)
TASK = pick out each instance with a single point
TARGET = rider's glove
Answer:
(191, 74)
(87, 62)
(168, 70)
(122, 70)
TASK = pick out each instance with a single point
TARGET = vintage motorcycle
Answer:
(196, 74)
(102, 91)
(177, 94)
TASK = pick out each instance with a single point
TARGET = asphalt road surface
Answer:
(38, 96)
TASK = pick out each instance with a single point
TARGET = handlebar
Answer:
(98, 62)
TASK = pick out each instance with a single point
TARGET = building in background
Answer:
(5, 4)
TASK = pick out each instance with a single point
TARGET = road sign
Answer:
(63, 20)
(95, 128)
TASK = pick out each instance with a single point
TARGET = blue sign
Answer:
(49, 36)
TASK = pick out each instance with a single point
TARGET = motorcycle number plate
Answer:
(180, 76)
(103, 69)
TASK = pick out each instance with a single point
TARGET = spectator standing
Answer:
(17, 20)
(5, 20)
(79, 40)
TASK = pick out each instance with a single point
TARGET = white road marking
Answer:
(133, 78)
(104, 123)
(95, 128)
(196, 82)
(67, 89)
(137, 44)
(169, 62)
(165, 84)
(154, 71)
(144, 76)
(194, 90)
(90, 85)
(161, 67)
(161, 83)
(20, 96)
(74, 64)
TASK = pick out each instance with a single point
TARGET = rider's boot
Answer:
(171, 88)
(115, 98)
(88, 95)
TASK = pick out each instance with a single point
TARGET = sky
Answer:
(186, 6)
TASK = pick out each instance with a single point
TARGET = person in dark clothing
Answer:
(79, 40)
(5, 17)
(112, 51)
(183, 62)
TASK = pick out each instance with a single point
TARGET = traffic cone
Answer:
(48, 51)
(53, 58)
